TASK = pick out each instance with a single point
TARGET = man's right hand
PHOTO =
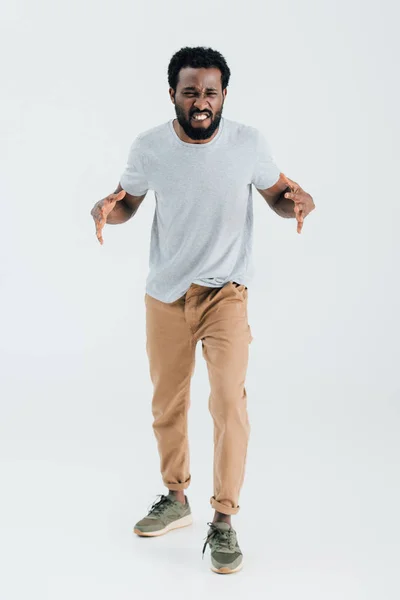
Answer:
(102, 209)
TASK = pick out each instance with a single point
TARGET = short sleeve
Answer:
(266, 172)
(133, 180)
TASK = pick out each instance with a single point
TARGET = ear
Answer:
(172, 95)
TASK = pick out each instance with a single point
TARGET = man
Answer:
(201, 167)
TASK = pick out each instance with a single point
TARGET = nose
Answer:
(201, 104)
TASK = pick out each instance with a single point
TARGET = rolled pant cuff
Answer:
(223, 508)
(178, 486)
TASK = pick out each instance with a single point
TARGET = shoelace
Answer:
(222, 537)
(160, 505)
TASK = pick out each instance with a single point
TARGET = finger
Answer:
(114, 198)
(99, 236)
(120, 195)
(299, 214)
(99, 230)
(289, 182)
(292, 181)
(293, 196)
(99, 227)
(300, 222)
(299, 208)
(100, 218)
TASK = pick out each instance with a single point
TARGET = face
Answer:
(198, 90)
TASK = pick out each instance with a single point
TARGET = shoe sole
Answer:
(226, 570)
(182, 522)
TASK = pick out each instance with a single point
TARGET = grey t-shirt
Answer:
(202, 229)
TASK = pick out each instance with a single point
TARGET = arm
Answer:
(265, 171)
(276, 200)
(125, 208)
(133, 178)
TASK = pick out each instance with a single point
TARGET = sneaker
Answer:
(164, 514)
(226, 556)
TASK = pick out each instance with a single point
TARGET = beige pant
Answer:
(217, 317)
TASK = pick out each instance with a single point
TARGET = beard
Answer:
(199, 132)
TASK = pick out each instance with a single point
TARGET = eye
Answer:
(194, 94)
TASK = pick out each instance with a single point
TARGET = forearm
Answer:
(284, 207)
(120, 213)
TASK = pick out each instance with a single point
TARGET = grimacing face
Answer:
(198, 90)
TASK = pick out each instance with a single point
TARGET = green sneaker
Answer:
(164, 514)
(226, 556)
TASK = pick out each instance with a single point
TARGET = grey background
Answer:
(79, 465)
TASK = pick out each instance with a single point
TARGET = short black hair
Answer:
(197, 57)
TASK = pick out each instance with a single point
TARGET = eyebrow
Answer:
(191, 87)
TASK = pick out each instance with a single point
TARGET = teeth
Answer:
(200, 117)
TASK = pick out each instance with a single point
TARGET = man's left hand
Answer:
(303, 202)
